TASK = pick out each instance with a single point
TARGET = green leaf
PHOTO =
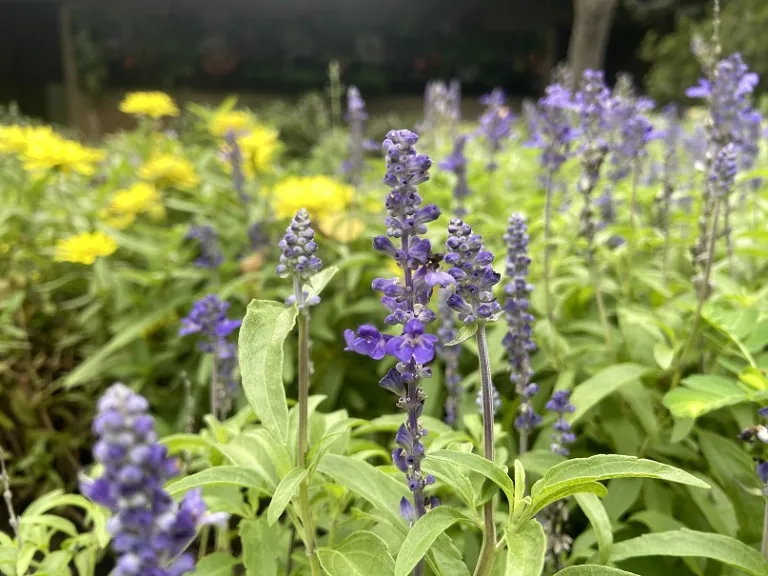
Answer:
(315, 285)
(452, 476)
(375, 486)
(595, 511)
(218, 476)
(244, 452)
(683, 543)
(361, 554)
(259, 543)
(700, 394)
(663, 355)
(264, 330)
(49, 521)
(603, 467)
(477, 463)
(285, 491)
(422, 535)
(97, 361)
(593, 570)
(526, 548)
(716, 507)
(590, 392)
(540, 461)
(216, 564)
(466, 332)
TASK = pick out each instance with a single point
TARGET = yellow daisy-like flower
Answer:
(259, 148)
(341, 227)
(237, 121)
(46, 150)
(126, 204)
(13, 139)
(169, 171)
(151, 104)
(320, 195)
(85, 248)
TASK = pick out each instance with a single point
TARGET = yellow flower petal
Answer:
(151, 104)
(85, 248)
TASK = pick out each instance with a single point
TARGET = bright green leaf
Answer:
(361, 554)
(593, 570)
(601, 524)
(477, 463)
(284, 493)
(684, 543)
(221, 475)
(264, 330)
(216, 564)
(423, 534)
(466, 332)
(259, 543)
(589, 393)
(526, 548)
(700, 394)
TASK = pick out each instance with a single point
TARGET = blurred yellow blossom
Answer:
(127, 204)
(13, 139)
(46, 150)
(237, 121)
(85, 248)
(151, 104)
(341, 227)
(320, 195)
(258, 148)
(169, 171)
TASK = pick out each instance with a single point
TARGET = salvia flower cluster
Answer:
(495, 124)
(519, 340)
(555, 133)
(149, 530)
(356, 117)
(456, 162)
(560, 404)
(298, 260)
(407, 300)
(209, 255)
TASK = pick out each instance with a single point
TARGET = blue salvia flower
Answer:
(473, 298)
(456, 162)
(356, 117)
(454, 104)
(407, 300)
(210, 254)
(519, 338)
(555, 131)
(298, 260)
(495, 124)
(560, 403)
(447, 332)
(727, 94)
(208, 318)
(723, 176)
(751, 126)
(149, 530)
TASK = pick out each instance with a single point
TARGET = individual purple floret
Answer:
(150, 532)
(519, 340)
(298, 259)
(495, 124)
(560, 403)
(456, 162)
(473, 298)
(407, 300)
(450, 357)
(356, 117)
(210, 254)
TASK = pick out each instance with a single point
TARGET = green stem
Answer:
(488, 549)
(214, 391)
(306, 512)
(703, 294)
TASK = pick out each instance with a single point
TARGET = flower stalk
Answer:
(13, 520)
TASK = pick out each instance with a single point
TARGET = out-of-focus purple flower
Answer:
(456, 162)
(495, 124)
(496, 397)
(473, 298)
(592, 102)
(560, 403)
(356, 117)
(210, 254)
(257, 236)
(555, 131)
(519, 338)
(149, 530)
(234, 157)
(724, 170)
(208, 318)
(762, 473)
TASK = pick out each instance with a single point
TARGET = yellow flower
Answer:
(169, 172)
(129, 203)
(84, 248)
(237, 121)
(152, 104)
(46, 150)
(320, 195)
(258, 148)
(13, 139)
(341, 227)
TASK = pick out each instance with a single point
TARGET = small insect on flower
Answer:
(85, 248)
(150, 104)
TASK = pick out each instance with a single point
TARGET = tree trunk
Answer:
(592, 21)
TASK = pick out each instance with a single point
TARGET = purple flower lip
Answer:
(413, 344)
(368, 341)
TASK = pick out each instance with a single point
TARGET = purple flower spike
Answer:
(560, 403)
(209, 252)
(150, 532)
(368, 341)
